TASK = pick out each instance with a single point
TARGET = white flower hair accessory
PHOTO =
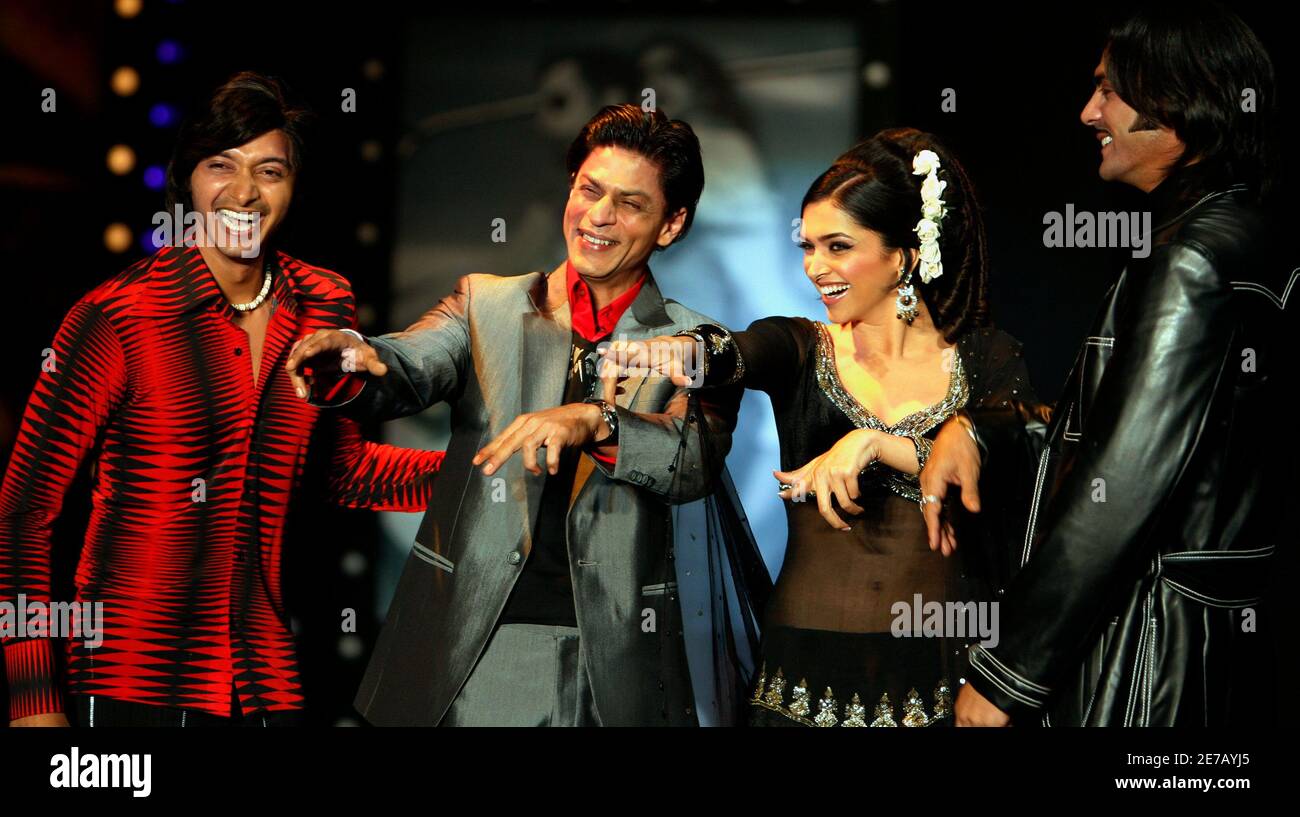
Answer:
(926, 163)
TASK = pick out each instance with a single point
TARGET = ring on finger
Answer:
(785, 486)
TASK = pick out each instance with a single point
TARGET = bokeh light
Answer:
(117, 237)
(121, 160)
(154, 177)
(169, 52)
(163, 115)
(125, 81)
(126, 9)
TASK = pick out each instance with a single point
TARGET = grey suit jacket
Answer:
(496, 348)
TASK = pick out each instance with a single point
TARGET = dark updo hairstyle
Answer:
(873, 183)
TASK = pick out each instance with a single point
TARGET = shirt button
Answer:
(514, 558)
(239, 350)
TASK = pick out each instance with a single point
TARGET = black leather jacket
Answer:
(1159, 486)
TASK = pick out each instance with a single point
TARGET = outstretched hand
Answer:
(555, 429)
(330, 350)
(954, 460)
(834, 473)
(671, 356)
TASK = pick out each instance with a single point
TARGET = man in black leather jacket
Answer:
(1158, 495)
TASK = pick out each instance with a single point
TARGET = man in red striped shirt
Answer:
(170, 376)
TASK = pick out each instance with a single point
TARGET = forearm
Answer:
(1015, 431)
(898, 453)
(427, 362)
(675, 454)
(387, 478)
(762, 357)
(419, 375)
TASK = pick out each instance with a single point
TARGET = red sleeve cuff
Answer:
(30, 667)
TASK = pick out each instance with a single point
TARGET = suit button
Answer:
(514, 558)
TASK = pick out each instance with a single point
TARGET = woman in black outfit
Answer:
(894, 242)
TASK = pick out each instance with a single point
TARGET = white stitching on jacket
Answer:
(1151, 672)
(1198, 555)
(1210, 601)
(1022, 679)
(1139, 663)
(1067, 434)
(1252, 286)
(974, 662)
(1033, 508)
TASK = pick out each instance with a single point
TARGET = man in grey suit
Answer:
(541, 588)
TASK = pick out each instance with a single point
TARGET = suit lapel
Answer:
(646, 317)
(543, 366)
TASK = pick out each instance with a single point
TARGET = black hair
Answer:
(669, 143)
(1188, 67)
(874, 184)
(240, 110)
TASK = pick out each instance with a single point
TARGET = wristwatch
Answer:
(609, 415)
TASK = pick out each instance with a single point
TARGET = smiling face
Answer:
(855, 274)
(1130, 153)
(617, 215)
(244, 192)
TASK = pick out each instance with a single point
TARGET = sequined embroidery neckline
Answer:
(916, 423)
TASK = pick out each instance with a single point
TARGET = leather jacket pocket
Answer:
(1096, 353)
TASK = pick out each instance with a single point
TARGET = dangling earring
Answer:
(906, 301)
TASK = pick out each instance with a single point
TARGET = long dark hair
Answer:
(242, 109)
(874, 184)
(1187, 66)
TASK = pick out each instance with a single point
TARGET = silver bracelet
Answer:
(923, 447)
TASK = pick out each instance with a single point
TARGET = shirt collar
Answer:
(181, 283)
(588, 322)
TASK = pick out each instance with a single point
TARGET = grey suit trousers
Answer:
(529, 675)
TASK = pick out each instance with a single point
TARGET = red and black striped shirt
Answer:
(195, 468)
